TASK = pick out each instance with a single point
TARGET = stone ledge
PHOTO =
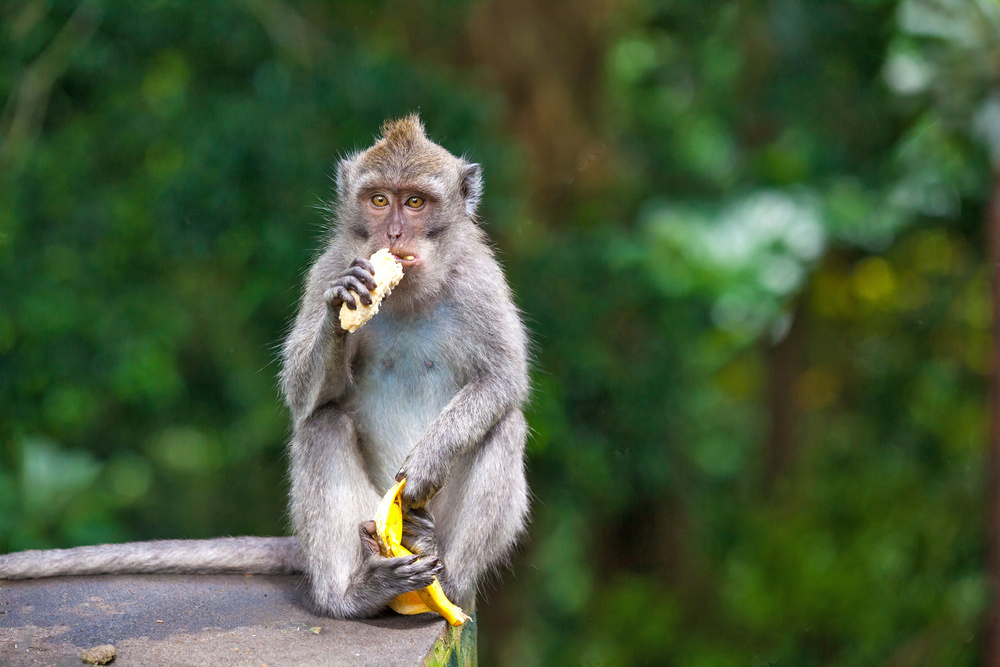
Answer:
(208, 620)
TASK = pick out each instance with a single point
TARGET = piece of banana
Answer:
(409, 604)
(388, 273)
(389, 531)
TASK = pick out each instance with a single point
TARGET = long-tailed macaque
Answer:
(431, 389)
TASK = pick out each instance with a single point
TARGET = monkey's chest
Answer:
(404, 382)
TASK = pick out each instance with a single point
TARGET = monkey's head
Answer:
(410, 195)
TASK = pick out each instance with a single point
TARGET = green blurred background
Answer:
(749, 239)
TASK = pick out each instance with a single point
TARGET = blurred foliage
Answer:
(772, 214)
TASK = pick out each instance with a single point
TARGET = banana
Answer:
(409, 604)
(389, 532)
(388, 273)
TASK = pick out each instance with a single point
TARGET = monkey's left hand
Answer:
(423, 480)
(418, 532)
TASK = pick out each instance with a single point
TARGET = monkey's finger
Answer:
(399, 563)
(417, 496)
(355, 285)
(366, 277)
(436, 566)
(334, 296)
(411, 502)
(424, 569)
(338, 294)
(364, 264)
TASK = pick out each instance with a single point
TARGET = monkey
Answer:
(431, 390)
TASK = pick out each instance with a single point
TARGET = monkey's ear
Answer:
(472, 187)
(345, 173)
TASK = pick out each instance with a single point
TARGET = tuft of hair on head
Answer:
(404, 131)
(402, 153)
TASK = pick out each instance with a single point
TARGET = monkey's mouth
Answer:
(406, 259)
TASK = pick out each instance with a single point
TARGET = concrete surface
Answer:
(208, 620)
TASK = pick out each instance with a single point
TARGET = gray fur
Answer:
(250, 555)
(432, 388)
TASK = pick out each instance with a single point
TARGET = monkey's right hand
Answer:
(359, 278)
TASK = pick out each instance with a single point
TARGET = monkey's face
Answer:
(412, 220)
(398, 219)
(412, 196)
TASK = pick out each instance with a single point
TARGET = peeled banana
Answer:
(388, 273)
(389, 532)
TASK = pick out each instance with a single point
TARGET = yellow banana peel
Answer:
(389, 532)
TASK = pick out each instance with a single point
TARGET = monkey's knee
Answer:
(330, 496)
(503, 449)
(322, 451)
(483, 509)
(510, 433)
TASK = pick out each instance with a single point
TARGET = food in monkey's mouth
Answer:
(389, 532)
(388, 273)
(406, 261)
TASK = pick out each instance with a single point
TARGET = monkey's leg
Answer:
(330, 498)
(483, 508)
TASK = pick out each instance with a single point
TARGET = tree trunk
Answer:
(991, 657)
(783, 370)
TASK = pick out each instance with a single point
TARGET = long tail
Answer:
(224, 555)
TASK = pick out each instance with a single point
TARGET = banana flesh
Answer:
(388, 273)
(389, 532)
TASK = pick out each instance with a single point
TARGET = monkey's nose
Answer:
(394, 230)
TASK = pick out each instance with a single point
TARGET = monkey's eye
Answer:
(380, 201)
(415, 202)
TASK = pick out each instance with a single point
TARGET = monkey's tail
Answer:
(224, 555)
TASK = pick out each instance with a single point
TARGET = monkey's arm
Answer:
(316, 354)
(463, 423)
(498, 384)
(312, 350)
